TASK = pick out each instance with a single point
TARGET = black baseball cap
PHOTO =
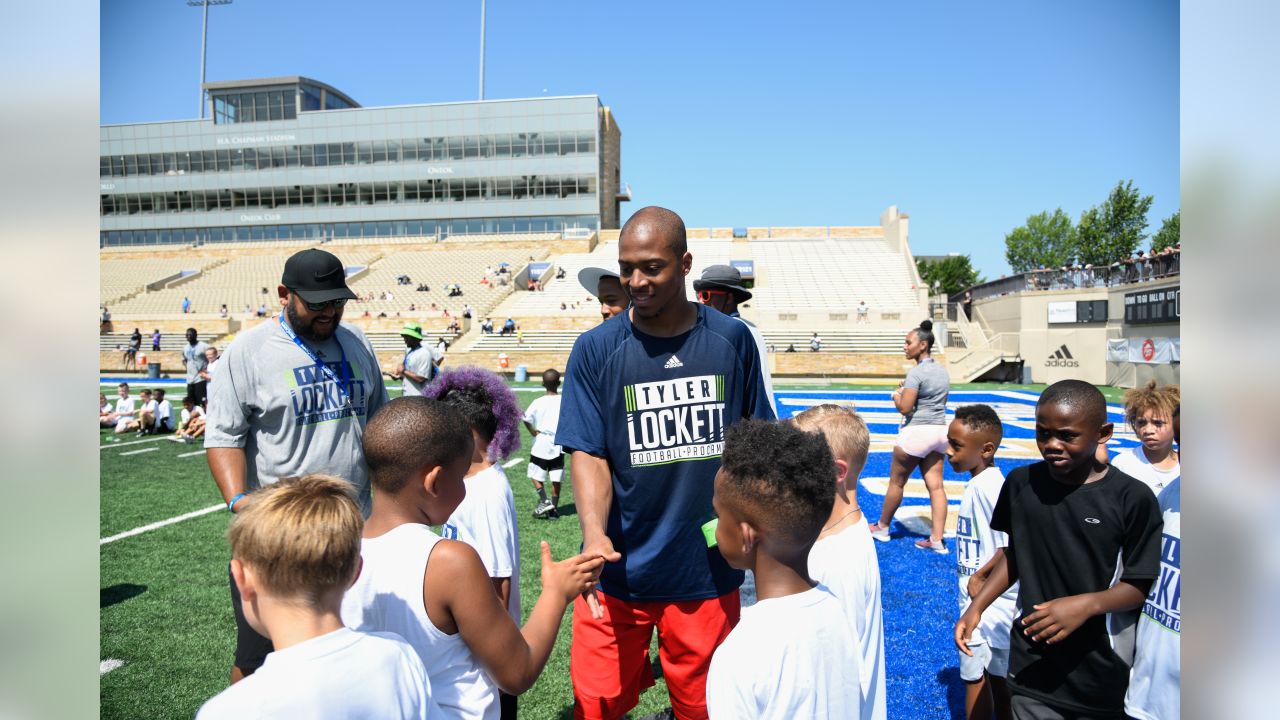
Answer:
(723, 277)
(316, 276)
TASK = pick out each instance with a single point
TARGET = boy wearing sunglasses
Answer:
(292, 399)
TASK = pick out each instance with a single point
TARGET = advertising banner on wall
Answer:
(1156, 351)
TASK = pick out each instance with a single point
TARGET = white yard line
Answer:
(162, 523)
(132, 442)
(512, 463)
(139, 452)
(197, 452)
(108, 665)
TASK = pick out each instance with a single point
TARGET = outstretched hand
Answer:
(571, 576)
(602, 547)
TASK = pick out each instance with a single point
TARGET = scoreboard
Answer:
(1150, 307)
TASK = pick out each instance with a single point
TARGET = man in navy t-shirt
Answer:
(647, 398)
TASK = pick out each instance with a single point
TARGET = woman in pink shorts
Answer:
(922, 439)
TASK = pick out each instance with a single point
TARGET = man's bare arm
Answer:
(592, 495)
(228, 466)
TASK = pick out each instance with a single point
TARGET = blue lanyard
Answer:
(344, 382)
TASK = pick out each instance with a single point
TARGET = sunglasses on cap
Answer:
(704, 296)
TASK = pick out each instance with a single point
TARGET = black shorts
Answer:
(251, 648)
(199, 391)
(548, 465)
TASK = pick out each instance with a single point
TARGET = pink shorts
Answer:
(920, 440)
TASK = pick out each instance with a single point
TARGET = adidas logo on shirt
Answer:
(1061, 358)
(674, 362)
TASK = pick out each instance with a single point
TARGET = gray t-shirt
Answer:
(289, 417)
(932, 385)
(196, 361)
(419, 361)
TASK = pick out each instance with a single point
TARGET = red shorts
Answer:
(609, 658)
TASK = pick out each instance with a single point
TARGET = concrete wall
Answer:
(1027, 315)
(610, 153)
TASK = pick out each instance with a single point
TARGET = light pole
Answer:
(204, 40)
(482, 49)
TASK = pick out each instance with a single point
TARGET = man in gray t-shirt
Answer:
(194, 361)
(292, 398)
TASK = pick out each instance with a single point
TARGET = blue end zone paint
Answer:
(919, 589)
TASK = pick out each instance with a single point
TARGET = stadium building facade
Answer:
(293, 158)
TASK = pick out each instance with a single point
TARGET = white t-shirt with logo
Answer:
(1156, 679)
(342, 674)
(544, 415)
(419, 361)
(486, 520)
(1133, 462)
(976, 543)
(164, 413)
(789, 657)
(126, 406)
(846, 563)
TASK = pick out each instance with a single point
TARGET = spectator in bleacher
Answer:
(262, 310)
(815, 343)
(293, 397)
(863, 311)
(248, 309)
(559, 273)
(508, 327)
(790, 348)
(223, 312)
(186, 305)
(155, 340)
(466, 311)
(605, 286)
(413, 307)
(454, 327)
(486, 327)
(193, 359)
(720, 287)
(533, 284)
(483, 281)
(442, 347)
(131, 350)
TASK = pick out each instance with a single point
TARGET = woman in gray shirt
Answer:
(922, 439)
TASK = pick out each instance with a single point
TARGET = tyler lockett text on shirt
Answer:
(675, 420)
(967, 555)
(316, 398)
(1164, 602)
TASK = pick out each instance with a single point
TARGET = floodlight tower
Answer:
(481, 49)
(204, 40)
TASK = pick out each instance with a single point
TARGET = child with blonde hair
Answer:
(844, 556)
(295, 549)
(1149, 412)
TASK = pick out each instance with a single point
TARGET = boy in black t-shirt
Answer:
(1084, 540)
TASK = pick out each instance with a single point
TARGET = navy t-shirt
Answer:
(656, 409)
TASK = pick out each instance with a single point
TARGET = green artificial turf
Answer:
(166, 609)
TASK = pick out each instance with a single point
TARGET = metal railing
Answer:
(1123, 272)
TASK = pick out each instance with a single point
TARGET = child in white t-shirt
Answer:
(1149, 411)
(146, 410)
(844, 556)
(972, 440)
(104, 412)
(191, 425)
(435, 592)
(1156, 680)
(295, 548)
(122, 412)
(793, 653)
(163, 419)
(546, 458)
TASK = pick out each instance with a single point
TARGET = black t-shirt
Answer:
(1069, 540)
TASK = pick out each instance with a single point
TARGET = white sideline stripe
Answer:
(512, 463)
(197, 452)
(138, 452)
(162, 523)
(108, 665)
(132, 442)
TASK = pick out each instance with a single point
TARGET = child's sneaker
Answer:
(879, 533)
(935, 545)
(543, 509)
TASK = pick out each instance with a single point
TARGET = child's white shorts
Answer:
(542, 469)
(920, 440)
(985, 658)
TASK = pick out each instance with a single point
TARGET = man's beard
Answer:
(308, 331)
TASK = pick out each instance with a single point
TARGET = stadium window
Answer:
(470, 148)
(275, 104)
(364, 153)
(196, 161)
(261, 105)
(408, 150)
(310, 98)
(453, 148)
(502, 145)
(535, 144)
(379, 151)
(307, 154)
(237, 160)
(393, 151)
(472, 189)
(295, 196)
(224, 160)
(551, 143)
(183, 163)
(290, 104)
(292, 158)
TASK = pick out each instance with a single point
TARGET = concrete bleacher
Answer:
(832, 275)
(887, 341)
(237, 282)
(121, 278)
(169, 342)
(566, 290)
(438, 268)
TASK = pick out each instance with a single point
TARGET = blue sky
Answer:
(968, 116)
